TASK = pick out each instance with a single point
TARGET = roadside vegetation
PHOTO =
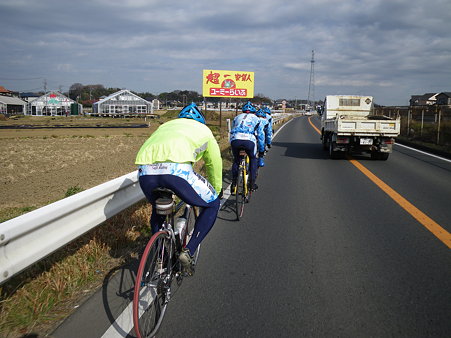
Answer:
(424, 127)
(38, 299)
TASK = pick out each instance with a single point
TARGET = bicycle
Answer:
(243, 191)
(159, 266)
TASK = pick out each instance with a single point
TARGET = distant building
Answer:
(28, 96)
(5, 92)
(444, 98)
(156, 104)
(10, 104)
(53, 104)
(121, 103)
(427, 99)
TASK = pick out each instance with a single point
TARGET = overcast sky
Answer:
(390, 49)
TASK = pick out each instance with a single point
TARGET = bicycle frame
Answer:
(242, 192)
(244, 166)
(159, 265)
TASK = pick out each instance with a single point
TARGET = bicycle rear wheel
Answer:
(152, 285)
(240, 196)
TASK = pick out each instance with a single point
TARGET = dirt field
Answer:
(38, 166)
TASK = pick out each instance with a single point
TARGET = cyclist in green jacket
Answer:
(166, 160)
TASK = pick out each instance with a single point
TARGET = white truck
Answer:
(348, 125)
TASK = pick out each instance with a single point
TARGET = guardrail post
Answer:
(422, 122)
(438, 125)
(408, 122)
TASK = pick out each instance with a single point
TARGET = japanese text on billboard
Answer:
(222, 83)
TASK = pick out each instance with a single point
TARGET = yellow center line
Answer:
(314, 127)
(416, 213)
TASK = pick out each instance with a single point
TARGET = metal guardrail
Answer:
(27, 239)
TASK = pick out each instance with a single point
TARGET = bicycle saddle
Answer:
(164, 202)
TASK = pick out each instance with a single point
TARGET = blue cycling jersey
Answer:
(248, 127)
(267, 128)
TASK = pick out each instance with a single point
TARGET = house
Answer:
(121, 103)
(423, 100)
(5, 92)
(444, 98)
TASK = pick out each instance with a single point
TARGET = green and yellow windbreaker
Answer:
(184, 141)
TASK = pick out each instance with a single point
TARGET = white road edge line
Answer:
(122, 325)
(423, 152)
(124, 322)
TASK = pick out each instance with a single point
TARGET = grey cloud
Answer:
(390, 47)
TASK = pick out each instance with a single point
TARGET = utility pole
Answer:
(311, 85)
(46, 98)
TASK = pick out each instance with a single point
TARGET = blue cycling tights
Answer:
(251, 151)
(184, 191)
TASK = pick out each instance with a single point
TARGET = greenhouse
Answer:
(122, 103)
(52, 104)
(11, 105)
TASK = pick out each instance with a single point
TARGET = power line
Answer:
(30, 90)
(27, 79)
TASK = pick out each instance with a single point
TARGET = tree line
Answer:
(88, 94)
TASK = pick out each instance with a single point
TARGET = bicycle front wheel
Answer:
(240, 196)
(152, 285)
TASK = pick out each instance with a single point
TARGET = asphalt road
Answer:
(322, 251)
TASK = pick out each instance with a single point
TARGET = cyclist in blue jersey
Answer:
(267, 128)
(247, 133)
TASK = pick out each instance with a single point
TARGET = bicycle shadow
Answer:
(118, 284)
(228, 210)
(117, 294)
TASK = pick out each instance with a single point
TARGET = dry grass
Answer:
(44, 295)
(36, 300)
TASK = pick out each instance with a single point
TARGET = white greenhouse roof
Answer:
(52, 98)
(123, 95)
(11, 100)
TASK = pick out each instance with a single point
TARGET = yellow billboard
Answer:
(227, 83)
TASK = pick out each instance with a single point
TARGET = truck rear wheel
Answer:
(324, 141)
(332, 153)
(379, 156)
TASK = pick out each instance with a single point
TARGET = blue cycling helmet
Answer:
(191, 111)
(267, 110)
(260, 113)
(249, 107)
